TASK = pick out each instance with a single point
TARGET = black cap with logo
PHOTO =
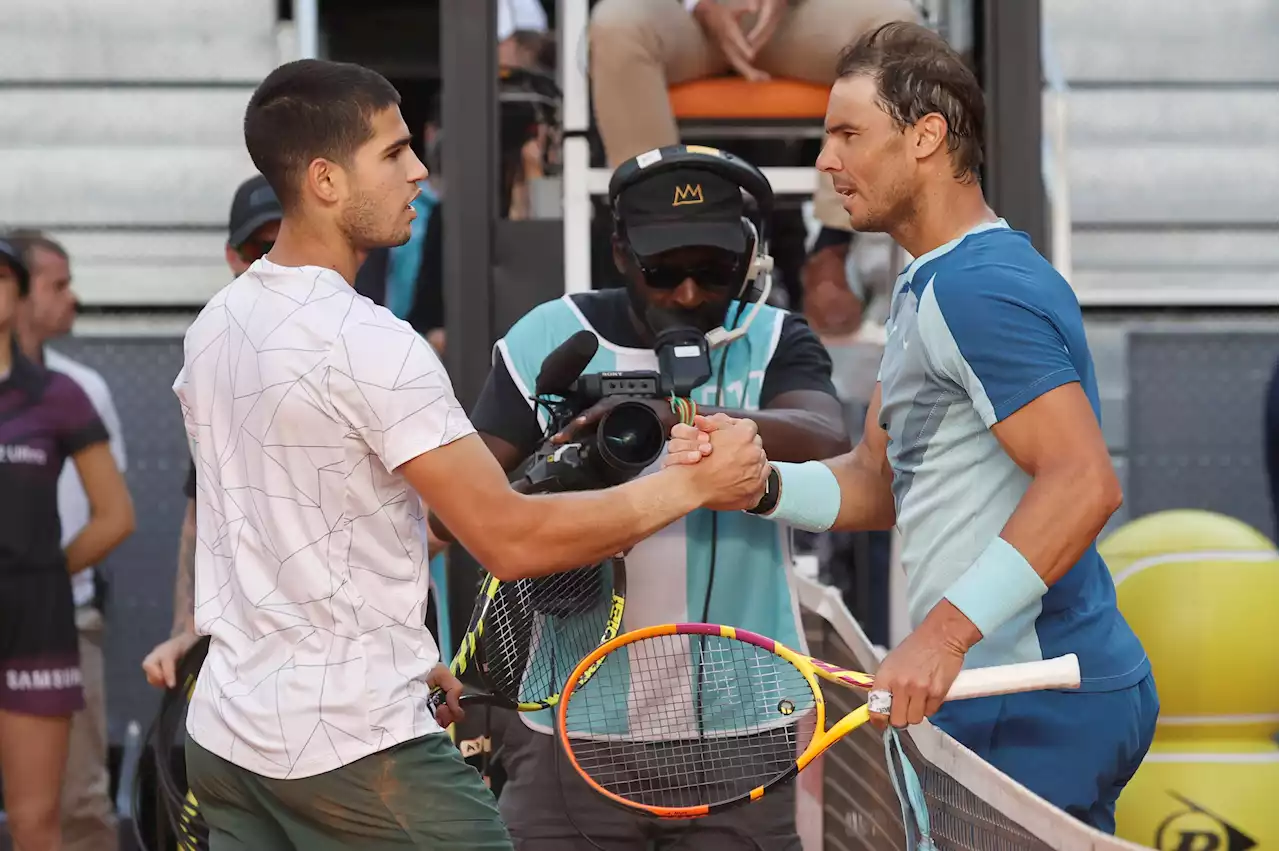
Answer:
(12, 257)
(682, 208)
(255, 205)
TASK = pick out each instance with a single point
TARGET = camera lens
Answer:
(631, 437)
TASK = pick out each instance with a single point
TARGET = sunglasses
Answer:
(717, 275)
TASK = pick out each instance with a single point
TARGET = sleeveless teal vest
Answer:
(668, 574)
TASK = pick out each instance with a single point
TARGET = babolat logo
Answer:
(688, 194)
(1197, 829)
(20, 454)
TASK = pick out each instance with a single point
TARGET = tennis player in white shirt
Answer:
(317, 421)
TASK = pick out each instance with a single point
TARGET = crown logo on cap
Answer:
(688, 194)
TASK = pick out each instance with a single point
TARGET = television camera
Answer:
(630, 436)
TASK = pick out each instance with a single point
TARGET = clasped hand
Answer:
(724, 456)
(919, 672)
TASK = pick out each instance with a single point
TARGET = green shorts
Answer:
(418, 794)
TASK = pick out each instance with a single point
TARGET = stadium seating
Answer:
(122, 136)
(1171, 165)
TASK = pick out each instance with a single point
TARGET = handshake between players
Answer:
(735, 476)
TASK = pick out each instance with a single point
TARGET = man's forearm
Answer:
(793, 434)
(184, 609)
(866, 492)
(538, 535)
(1060, 516)
(517, 535)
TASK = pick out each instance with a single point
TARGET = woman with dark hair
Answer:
(45, 419)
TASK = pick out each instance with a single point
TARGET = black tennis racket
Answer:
(526, 636)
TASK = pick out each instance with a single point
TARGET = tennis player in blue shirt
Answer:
(982, 444)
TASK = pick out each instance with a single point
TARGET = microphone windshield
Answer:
(563, 366)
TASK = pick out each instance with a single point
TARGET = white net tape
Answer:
(848, 802)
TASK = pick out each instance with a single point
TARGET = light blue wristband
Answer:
(996, 587)
(809, 496)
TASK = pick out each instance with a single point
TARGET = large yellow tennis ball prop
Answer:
(1182, 531)
(1200, 590)
(1217, 795)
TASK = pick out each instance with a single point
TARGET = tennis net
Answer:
(848, 803)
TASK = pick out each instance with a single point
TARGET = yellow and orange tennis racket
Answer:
(684, 720)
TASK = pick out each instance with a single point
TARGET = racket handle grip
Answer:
(437, 697)
(1058, 673)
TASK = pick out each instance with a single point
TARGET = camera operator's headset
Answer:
(756, 261)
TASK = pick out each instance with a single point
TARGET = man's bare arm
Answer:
(509, 457)
(1057, 441)
(862, 478)
(184, 607)
(161, 664)
(514, 535)
(866, 480)
(797, 425)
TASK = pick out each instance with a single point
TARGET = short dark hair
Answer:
(307, 109)
(27, 240)
(916, 73)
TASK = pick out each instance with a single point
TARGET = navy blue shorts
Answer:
(1077, 750)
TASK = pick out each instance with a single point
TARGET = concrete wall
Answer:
(122, 134)
(1172, 155)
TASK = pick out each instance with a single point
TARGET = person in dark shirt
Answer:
(685, 264)
(45, 419)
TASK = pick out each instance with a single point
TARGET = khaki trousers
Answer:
(640, 47)
(88, 815)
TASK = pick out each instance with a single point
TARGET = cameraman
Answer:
(685, 248)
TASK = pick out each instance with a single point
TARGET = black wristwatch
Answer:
(772, 490)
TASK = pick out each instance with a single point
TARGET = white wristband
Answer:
(690, 5)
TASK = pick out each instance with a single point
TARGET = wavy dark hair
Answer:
(918, 73)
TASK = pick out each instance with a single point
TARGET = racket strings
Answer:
(537, 630)
(687, 721)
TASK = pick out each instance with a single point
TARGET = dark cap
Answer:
(12, 257)
(682, 208)
(255, 205)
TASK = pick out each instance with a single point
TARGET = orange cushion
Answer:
(734, 97)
